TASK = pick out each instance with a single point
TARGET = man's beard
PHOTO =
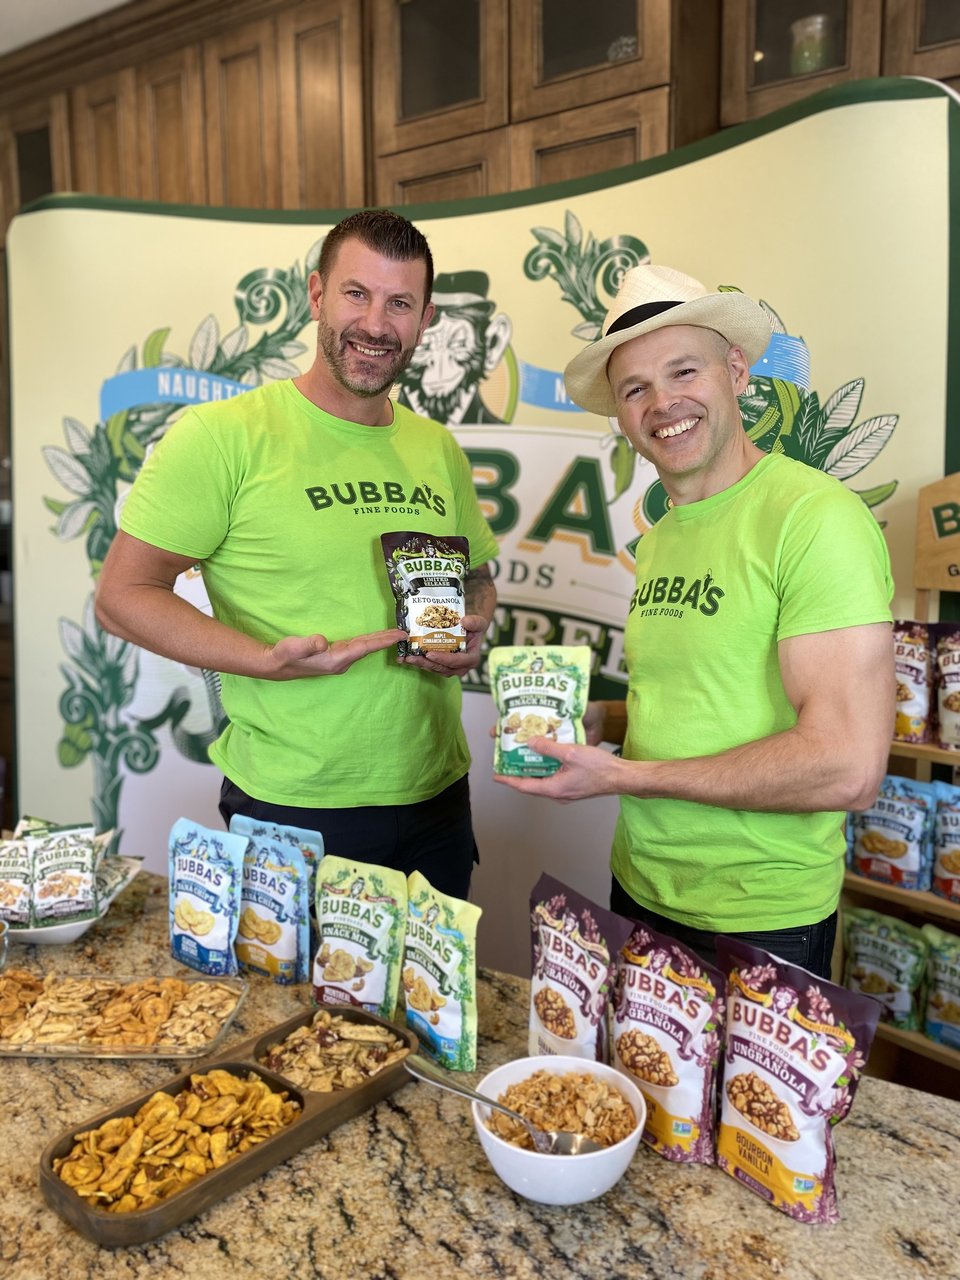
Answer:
(361, 377)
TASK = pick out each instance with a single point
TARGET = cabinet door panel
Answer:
(105, 137)
(321, 104)
(170, 127)
(34, 154)
(921, 38)
(240, 93)
(574, 144)
(541, 82)
(458, 170)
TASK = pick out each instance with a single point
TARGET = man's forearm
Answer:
(479, 593)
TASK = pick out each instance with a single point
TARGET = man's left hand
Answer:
(459, 663)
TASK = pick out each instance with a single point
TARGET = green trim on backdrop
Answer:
(883, 89)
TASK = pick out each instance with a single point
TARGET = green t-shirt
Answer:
(786, 551)
(284, 505)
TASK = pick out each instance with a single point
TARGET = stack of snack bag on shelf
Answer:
(913, 971)
(892, 841)
(791, 1047)
(927, 658)
(53, 874)
(945, 879)
(382, 934)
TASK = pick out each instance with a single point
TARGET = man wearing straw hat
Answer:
(760, 702)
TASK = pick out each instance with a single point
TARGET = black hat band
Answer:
(637, 315)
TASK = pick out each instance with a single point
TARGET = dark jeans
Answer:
(808, 945)
(434, 837)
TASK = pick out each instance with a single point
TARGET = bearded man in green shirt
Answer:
(281, 495)
(760, 702)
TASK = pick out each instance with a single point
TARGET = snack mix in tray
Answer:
(334, 1053)
(134, 1162)
(100, 1012)
(575, 1103)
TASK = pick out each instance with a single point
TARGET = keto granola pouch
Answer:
(945, 879)
(668, 1016)
(273, 933)
(892, 841)
(440, 973)
(574, 946)
(796, 1046)
(941, 1020)
(427, 575)
(886, 958)
(206, 877)
(539, 692)
(913, 658)
(361, 925)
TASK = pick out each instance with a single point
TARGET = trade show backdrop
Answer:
(836, 214)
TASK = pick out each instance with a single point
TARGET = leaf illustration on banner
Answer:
(235, 343)
(844, 405)
(203, 346)
(153, 348)
(860, 446)
(71, 474)
(128, 361)
(77, 437)
(73, 519)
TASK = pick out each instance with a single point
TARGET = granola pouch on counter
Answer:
(540, 692)
(796, 1046)
(427, 574)
(440, 973)
(574, 947)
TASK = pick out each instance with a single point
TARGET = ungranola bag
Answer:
(667, 1026)
(273, 933)
(945, 878)
(361, 925)
(539, 692)
(575, 945)
(796, 1046)
(427, 575)
(440, 973)
(885, 957)
(941, 1021)
(893, 839)
(948, 687)
(206, 872)
(914, 661)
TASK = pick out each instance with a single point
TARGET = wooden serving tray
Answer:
(320, 1113)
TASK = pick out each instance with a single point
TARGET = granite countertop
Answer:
(405, 1191)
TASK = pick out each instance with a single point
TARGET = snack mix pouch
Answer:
(206, 875)
(16, 883)
(64, 863)
(440, 974)
(942, 1015)
(946, 842)
(885, 957)
(427, 577)
(575, 945)
(361, 923)
(795, 1049)
(667, 1024)
(539, 692)
(893, 839)
(914, 668)
(273, 935)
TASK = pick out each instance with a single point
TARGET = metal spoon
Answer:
(548, 1141)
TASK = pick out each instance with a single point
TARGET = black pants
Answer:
(808, 945)
(434, 837)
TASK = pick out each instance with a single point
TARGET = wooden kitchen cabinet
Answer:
(34, 153)
(104, 135)
(170, 132)
(460, 169)
(922, 38)
(240, 93)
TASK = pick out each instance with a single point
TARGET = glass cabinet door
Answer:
(778, 51)
(922, 38)
(439, 70)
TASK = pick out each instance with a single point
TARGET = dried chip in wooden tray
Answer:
(134, 1162)
(334, 1053)
(101, 1013)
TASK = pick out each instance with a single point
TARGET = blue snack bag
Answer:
(892, 841)
(273, 937)
(206, 873)
(310, 843)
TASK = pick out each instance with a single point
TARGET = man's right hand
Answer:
(299, 656)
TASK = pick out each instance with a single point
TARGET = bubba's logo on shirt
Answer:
(672, 597)
(372, 496)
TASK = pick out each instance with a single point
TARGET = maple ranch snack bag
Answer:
(795, 1049)
(575, 945)
(539, 692)
(667, 1022)
(361, 922)
(426, 575)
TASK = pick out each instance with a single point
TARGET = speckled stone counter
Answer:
(404, 1191)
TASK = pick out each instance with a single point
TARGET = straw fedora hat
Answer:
(653, 297)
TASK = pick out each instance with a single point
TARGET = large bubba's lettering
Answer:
(781, 1031)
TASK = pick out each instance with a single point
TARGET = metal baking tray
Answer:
(321, 1113)
(79, 1050)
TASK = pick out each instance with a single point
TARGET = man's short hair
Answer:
(386, 233)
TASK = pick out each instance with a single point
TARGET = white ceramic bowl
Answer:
(557, 1179)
